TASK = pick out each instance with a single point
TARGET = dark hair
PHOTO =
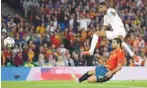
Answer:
(118, 40)
(102, 3)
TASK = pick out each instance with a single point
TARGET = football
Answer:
(9, 42)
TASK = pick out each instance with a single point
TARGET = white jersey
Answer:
(112, 18)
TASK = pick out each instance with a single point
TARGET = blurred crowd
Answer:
(52, 33)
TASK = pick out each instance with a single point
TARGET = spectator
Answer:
(30, 55)
(57, 5)
(37, 21)
(143, 57)
(50, 5)
(77, 45)
(28, 64)
(142, 42)
(52, 60)
(84, 22)
(55, 39)
(58, 27)
(7, 56)
(82, 62)
(41, 60)
(41, 29)
(15, 51)
(136, 44)
(96, 55)
(66, 23)
(26, 6)
(55, 23)
(63, 49)
(68, 61)
(83, 35)
(60, 62)
(3, 59)
(131, 62)
(18, 60)
(75, 59)
(51, 27)
(47, 64)
(71, 21)
(4, 30)
(11, 23)
(16, 19)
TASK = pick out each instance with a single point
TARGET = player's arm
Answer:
(110, 73)
(117, 68)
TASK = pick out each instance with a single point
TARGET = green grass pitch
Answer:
(72, 84)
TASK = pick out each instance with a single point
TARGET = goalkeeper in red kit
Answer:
(105, 72)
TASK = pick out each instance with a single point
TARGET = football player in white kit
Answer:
(110, 18)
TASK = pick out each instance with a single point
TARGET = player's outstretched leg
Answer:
(92, 79)
(94, 42)
(127, 48)
(98, 75)
(86, 75)
(75, 77)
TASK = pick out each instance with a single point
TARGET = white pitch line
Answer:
(120, 86)
(85, 85)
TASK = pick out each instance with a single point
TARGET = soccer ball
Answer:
(9, 42)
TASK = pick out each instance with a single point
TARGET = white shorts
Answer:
(114, 34)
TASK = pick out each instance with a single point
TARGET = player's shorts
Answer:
(114, 34)
(100, 73)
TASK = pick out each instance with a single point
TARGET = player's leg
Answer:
(127, 48)
(99, 76)
(87, 75)
(131, 53)
(92, 79)
(95, 75)
(94, 41)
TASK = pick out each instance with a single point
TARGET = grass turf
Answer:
(72, 84)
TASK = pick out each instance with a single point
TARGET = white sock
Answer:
(127, 48)
(93, 43)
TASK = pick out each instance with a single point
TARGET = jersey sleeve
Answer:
(121, 57)
(105, 21)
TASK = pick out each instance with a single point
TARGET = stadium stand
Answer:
(54, 32)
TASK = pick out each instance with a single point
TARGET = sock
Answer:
(127, 48)
(84, 77)
(93, 43)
